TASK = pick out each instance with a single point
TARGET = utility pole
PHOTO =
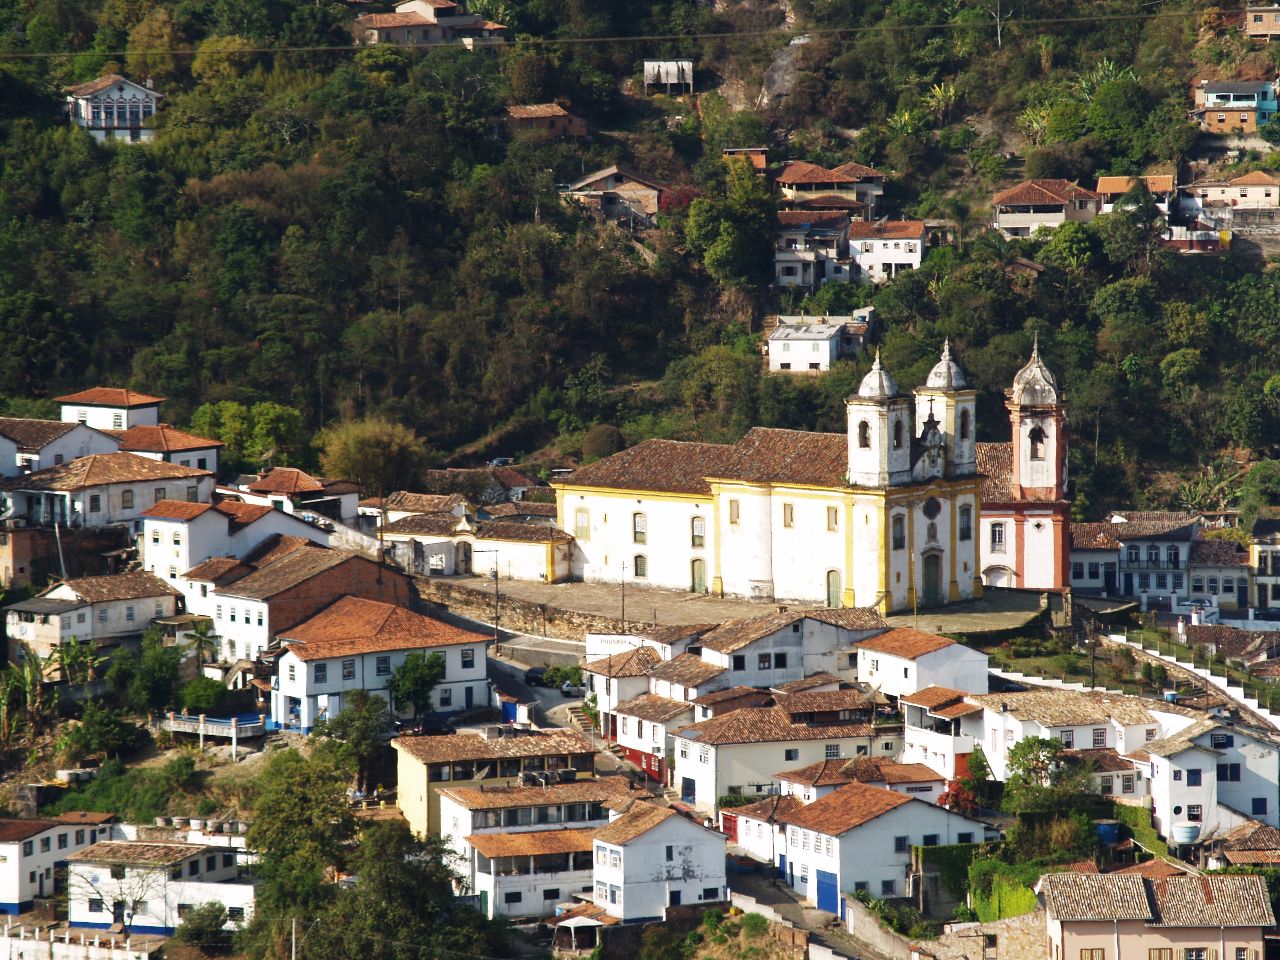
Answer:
(293, 939)
(623, 584)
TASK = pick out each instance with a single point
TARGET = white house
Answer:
(902, 661)
(617, 678)
(357, 644)
(758, 829)
(738, 753)
(686, 677)
(803, 348)
(859, 839)
(1210, 777)
(651, 858)
(443, 544)
(1029, 206)
(31, 850)
(940, 729)
(885, 248)
(524, 849)
(178, 535)
(38, 444)
(103, 611)
(669, 640)
(1077, 720)
(643, 724)
(296, 491)
(102, 489)
(817, 780)
(150, 887)
(163, 442)
(881, 515)
(417, 22)
(111, 408)
(113, 108)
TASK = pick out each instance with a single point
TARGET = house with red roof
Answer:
(425, 23)
(901, 661)
(801, 183)
(170, 445)
(1024, 208)
(885, 248)
(111, 408)
(177, 535)
(357, 644)
(296, 491)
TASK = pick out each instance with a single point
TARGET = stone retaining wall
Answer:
(521, 616)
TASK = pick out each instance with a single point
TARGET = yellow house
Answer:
(493, 756)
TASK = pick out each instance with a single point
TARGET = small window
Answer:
(930, 840)
(159, 494)
(1259, 807)
(899, 533)
(901, 844)
(864, 435)
(1099, 736)
(964, 837)
(791, 755)
(897, 434)
(833, 518)
(468, 659)
(1036, 440)
(640, 564)
(734, 511)
(888, 888)
(62, 841)
(1077, 570)
(964, 424)
(348, 669)
(193, 494)
(228, 859)
(832, 751)
(1193, 777)
(671, 853)
(79, 837)
(235, 914)
(382, 666)
(292, 672)
(95, 503)
(322, 673)
(997, 538)
(95, 904)
(551, 893)
(699, 531)
(739, 661)
(788, 515)
(582, 524)
(764, 661)
(639, 528)
(1195, 812)
(512, 896)
(193, 868)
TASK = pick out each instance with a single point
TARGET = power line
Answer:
(882, 28)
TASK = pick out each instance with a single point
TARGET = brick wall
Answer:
(356, 577)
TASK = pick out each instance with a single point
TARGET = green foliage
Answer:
(379, 455)
(563, 672)
(147, 680)
(730, 800)
(412, 682)
(999, 890)
(951, 863)
(204, 695)
(1138, 820)
(600, 441)
(361, 726)
(754, 925)
(137, 795)
(101, 731)
(202, 927)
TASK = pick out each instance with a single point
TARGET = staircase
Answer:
(578, 717)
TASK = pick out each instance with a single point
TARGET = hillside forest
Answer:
(343, 232)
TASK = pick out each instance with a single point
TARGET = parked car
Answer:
(536, 677)
(569, 690)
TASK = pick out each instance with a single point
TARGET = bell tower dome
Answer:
(1039, 423)
(947, 394)
(880, 431)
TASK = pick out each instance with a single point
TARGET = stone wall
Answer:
(1016, 938)
(521, 616)
(866, 926)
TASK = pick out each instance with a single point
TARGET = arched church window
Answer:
(864, 435)
(1037, 443)
(964, 424)
(897, 434)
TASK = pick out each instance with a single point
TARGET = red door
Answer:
(729, 822)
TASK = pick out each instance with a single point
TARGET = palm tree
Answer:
(203, 640)
(10, 690)
(941, 100)
(36, 705)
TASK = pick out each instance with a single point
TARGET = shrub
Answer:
(202, 927)
(204, 695)
(754, 925)
(600, 441)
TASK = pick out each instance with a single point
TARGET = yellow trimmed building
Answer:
(884, 515)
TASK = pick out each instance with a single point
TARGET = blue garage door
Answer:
(828, 892)
(508, 711)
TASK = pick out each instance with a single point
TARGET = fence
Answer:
(64, 944)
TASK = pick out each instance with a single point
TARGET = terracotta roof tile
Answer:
(822, 701)
(821, 679)
(1218, 553)
(874, 770)
(630, 663)
(242, 514)
(1230, 641)
(1252, 857)
(1261, 837)
(110, 396)
(382, 21)
(768, 455)
(686, 670)
(218, 568)
(1091, 536)
(353, 625)
(139, 853)
(767, 725)
(1256, 178)
(33, 435)
(847, 807)
(906, 643)
(1092, 896)
(522, 508)
(887, 230)
(761, 697)
(423, 502)
(1102, 759)
(733, 635)
(163, 439)
(12, 829)
(532, 843)
(668, 466)
(824, 773)
(771, 809)
(655, 709)
(1154, 869)
(177, 510)
(286, 480)
(636, 822)
(1042, 193)
(462, 747)
(933, 696)
(1213, 900)
(672, 633)
(519, 532)
(293, 568)
(275, 547)
(103, 468)
(857, 171)
(1158, 183)
(813, 218)
(118, 586)
(802, 171)
(1066, 708)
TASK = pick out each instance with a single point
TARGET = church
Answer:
(1026, 517)
(884, 515)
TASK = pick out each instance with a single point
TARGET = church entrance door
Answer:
(932, 579)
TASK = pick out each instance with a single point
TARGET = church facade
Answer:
(1026, 517)
(884, 515)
